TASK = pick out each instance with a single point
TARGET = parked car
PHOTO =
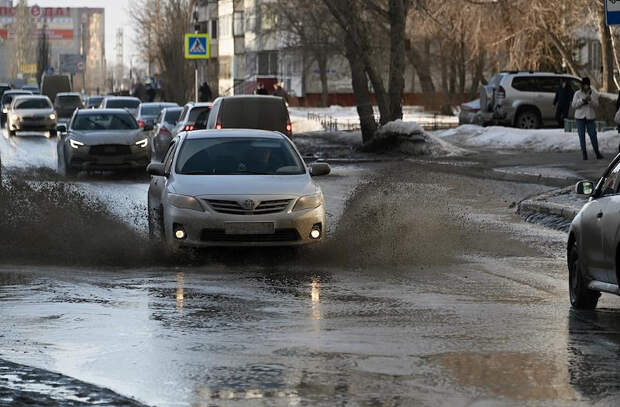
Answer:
(470, 113)
(251, 112)
(102, 139)
(66, 103)
(161, 135)
(593, 249)
(129, 103)
(148, 112)
(7, 99)
(51, 85)
(93, 102)
(32, 88)
(193, 113)
(235, 187)
(31, 112)
(523, 99)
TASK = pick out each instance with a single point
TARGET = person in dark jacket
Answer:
(204, 93)
(562, 101)
(260, 89)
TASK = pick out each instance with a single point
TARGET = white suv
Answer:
(523, 99)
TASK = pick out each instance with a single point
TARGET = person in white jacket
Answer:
(585, 102)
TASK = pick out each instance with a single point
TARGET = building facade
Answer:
(76, 40)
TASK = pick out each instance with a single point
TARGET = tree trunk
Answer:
(398, 16)
(477, 73)
(321, 59)
(607, 83)
(359, 82)
(379, 88)
(422, 68)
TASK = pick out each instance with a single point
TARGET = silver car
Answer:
(235, 187)
(102, 139)
(593, 248)
(522, 99)
(31, 112)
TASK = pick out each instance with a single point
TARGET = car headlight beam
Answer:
(75, 144)
(52, 116)
(185, 202)
(308, 202)
(143, 143)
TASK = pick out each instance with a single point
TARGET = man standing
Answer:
(562, 101)
(585, 103)
(204, 93)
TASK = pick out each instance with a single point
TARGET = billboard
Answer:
(59, 22)
(71, 63)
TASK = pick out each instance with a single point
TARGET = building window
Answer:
(238, 26)
(268, 63)
(226, 26)
(214, 29)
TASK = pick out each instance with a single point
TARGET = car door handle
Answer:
(599, 215)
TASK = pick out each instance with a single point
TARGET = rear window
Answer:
(69, 100)
(201, 113)
(172, 116)
(94, 101)
(122, 103)
(260, 114)
(151, 110)
(545, 84)
(33, 104)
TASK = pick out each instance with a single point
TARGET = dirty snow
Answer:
(540, 140)
(434, 146)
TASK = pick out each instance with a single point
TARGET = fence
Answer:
(331, 123)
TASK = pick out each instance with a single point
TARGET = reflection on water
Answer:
(518, 376)
(180, 281)
(315, 295)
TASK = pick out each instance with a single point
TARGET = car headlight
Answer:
(185, 202)
(52, 116)
(5, 110)
(308, 202)
(75, 143)
(143, 143)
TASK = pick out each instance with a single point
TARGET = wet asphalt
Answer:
(429, 290)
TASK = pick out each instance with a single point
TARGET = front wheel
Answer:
(528, 119)
(581, 297)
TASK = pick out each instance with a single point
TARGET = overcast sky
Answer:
(116, 16)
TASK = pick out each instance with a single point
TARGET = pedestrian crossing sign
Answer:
(197, 46)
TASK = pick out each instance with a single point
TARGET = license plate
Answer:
(250, 228)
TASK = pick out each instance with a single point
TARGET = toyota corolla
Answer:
(235, 187)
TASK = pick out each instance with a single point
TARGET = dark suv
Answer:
(66, 103)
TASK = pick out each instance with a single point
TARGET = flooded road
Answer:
(429, 291)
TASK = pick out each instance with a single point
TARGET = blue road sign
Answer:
(612, 12)
(197, 46)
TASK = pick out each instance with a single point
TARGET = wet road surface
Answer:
(429, 291)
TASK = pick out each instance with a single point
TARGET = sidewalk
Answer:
(555, 209)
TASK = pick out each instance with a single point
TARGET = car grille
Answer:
(33, 118)
(110, 149)
(235, 208)
(280, 235)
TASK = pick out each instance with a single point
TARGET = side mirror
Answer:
(584, 188)
(156, 169)
(61, 128)
(319, 169)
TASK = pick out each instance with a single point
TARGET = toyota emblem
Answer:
(248, 204)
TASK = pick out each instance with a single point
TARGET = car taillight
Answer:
(141, 123)
(218, 126)
(164, 130)
(189, 127)
(501, 92)
(289, 127)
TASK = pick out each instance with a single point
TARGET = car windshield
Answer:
(238, 156)
(69, 100)
(32, 104)
(122, 103)
(202, 112)
(7, 99)
(172, 116)
(94, 101)
(104, 121)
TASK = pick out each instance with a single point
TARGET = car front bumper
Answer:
(209, 229)
(107, 157)
(28, 123)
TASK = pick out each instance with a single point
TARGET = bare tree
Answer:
(24, 47)
(43, 53)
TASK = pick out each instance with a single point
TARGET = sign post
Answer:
(612, 12)
(197, 46)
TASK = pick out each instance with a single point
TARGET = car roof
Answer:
(199, 104)
(122, 98)
(250, 97)
(87, 111)
(68, 94)
(18, 92)
(204, 134)
(169, 108)
(96, 97)
(158, 104)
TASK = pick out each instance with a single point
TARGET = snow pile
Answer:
(409, 138)
(540, 140)
(303, 125)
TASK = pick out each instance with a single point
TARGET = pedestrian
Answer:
(260, 89)
(585, 102)
(278, 90)
(562, 101)
(204, 93)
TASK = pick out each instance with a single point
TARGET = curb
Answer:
(539, 204)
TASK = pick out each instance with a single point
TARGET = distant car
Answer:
(193, 114)
(7, 98)
(102, 139)
(93, 102)
(235, 188)
(470, 113)
(31, 112)
(161, 135)
(32, 88)
(51, 85)
(66, 103)
(148, 112)
(523, 99)
(593, 249)
(3, 88)
(251, 112)
(121, 102)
